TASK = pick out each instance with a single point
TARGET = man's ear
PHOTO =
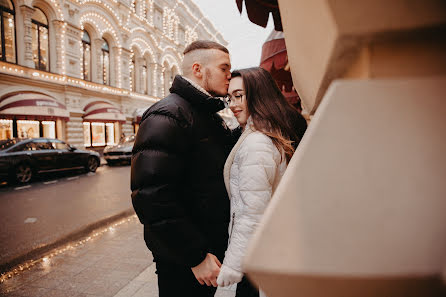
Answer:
(197, 70)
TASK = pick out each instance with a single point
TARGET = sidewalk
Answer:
(112, 262)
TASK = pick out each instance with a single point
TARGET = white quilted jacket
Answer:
(252, 172)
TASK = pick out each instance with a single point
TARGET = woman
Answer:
(272, 128)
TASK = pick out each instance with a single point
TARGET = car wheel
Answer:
(23, 173)
(92, 164)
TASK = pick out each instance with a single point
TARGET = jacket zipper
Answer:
(232, 227)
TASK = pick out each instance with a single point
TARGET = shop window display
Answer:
(49, 129)
(5, 129)
(28, 129)
(98, 134)
(110, 133)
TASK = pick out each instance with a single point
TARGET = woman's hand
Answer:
(228, 276)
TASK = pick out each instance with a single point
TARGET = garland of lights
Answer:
(108, 7)
(102, 25)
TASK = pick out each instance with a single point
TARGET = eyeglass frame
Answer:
(238, 98)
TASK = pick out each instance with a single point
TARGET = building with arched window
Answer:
(83, 70)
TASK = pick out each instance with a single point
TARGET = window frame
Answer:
(84, 43)
(105, 80)
(39, 24)
(2, 36)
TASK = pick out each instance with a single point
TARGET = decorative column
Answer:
(73, 51)
(140, 77)
(125, 69)
(59, 28)
(159, 80)
(27, 13)
(98, 77)
(151, 78)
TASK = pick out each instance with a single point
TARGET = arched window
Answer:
(105, 62)
(144, 78)
(86, 56)
(40, 40)
(8, 50)
(133, 73)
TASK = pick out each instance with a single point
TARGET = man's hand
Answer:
(228, 276)
(207, 271)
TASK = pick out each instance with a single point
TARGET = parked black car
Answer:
(122, 152)
(22, 158)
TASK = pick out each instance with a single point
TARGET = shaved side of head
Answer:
(200, 51)
(200, 56)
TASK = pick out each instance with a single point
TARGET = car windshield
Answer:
(127, 139)
(5, 144)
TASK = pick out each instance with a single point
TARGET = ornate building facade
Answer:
(84, 70)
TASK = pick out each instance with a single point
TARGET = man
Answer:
(177, 183)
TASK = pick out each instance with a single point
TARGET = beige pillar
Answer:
(98, 78)
(27, 13)
(60, 129)
(59, 30)
(361, 208)
(125, 69)
(118, 131)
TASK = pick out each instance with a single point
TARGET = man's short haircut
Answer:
(205, 44)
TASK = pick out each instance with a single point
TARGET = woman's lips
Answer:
(236, 113)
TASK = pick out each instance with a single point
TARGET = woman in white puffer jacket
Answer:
(272, 128)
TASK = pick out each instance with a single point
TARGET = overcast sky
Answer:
(245, 38)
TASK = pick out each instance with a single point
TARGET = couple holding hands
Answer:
(199, 188)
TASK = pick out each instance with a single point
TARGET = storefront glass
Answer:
(110, 133)
(98, 134)
(49, 129)
(28, 129)
(5, 129)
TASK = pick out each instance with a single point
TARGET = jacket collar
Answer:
(187, 90)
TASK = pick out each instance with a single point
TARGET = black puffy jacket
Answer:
(177, 183)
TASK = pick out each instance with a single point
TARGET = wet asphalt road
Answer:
(56, 205)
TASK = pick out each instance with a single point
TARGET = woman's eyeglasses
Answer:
(236, 98)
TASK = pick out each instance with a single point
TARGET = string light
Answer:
(45, 260)
(104, 5)
(191, 35)
(105, 18)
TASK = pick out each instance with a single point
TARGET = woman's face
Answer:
(237, 100)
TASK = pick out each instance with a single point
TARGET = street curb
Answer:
(73, 236)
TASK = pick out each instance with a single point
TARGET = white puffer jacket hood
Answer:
(252, 172)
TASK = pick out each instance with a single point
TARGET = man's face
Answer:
(217, 73)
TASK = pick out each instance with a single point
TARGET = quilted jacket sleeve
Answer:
(258, 161)
(159, 163)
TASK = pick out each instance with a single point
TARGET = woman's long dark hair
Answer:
(271, 113)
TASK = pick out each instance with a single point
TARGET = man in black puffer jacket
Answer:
(177, 183)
